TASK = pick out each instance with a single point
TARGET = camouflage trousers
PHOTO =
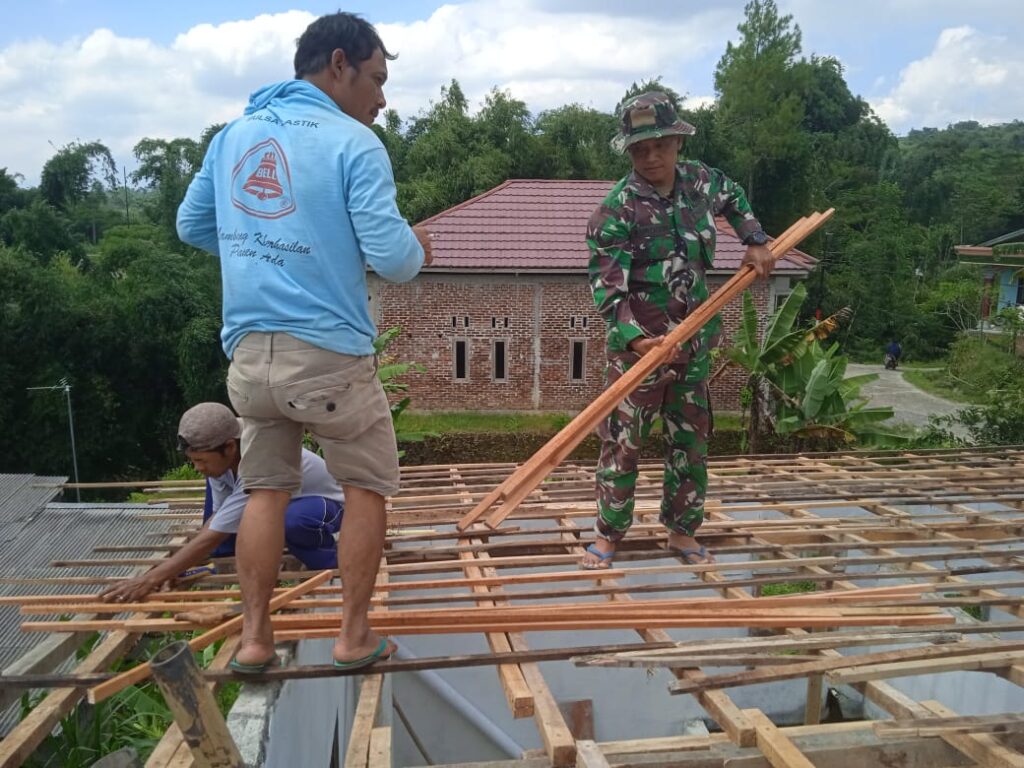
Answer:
(679, 394)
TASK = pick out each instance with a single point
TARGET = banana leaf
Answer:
(818, 387)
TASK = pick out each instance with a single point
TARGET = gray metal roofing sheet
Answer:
(34, 533)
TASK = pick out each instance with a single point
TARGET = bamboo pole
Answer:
(194, 708)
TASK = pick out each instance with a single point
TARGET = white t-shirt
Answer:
(229, 497)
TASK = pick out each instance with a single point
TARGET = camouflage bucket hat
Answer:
(649, 116)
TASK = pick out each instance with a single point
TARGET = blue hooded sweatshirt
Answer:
(298, 199)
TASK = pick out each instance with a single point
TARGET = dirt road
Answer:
(910, 404)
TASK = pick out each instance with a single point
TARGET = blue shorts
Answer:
(310, 523)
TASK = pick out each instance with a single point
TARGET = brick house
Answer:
(504, 319)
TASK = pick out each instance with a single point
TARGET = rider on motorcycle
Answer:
(893, 353)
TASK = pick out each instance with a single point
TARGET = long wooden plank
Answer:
(519, 486)
(358, 752)
(985, 748)
(371, 694)
(513, 682)
(142, 671)
(534, 561)
(380, 747)
(906, 595)
(975, 662)
(313, 626)
(54, 605)
(1006, 722)
(774, 745)
(795, 542)
(554, 732)
(784, 644)
(828, 664)
(316, 671)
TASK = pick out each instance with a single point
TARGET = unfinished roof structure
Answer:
(829, 632)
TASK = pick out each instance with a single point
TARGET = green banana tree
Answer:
(798, 386)
(390, 371)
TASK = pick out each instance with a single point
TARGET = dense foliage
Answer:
(797, 385)
(96, 288)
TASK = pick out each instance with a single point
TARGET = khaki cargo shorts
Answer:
(282, 386)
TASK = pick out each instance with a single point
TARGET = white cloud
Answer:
(967, 76)
(543, 57)
(119, 90)
(545, 52)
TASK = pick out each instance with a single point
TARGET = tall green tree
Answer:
(76, 171)
(967, 177)
(761, 112)
(574, 143)
(42, 230)
(646, 86)
(167, 168)
(11, 195)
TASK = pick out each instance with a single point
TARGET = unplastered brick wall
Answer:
(541, 332)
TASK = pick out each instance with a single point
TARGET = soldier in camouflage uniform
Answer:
(651, 243)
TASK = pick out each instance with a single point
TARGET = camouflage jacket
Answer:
(649, 255)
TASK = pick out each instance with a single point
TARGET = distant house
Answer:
(504, 320)
(1002, 260)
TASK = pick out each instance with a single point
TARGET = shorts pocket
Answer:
(338, 405)
(317, 399)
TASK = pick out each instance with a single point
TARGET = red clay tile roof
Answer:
(539, 225)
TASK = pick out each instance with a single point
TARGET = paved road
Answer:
(910, 404)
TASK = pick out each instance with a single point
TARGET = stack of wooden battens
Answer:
(926, 517)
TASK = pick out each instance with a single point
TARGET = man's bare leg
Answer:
(360, 546)
(258, 554)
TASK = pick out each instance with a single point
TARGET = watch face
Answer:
(757, 238)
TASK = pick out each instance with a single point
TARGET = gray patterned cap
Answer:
(649, 116)
(207, 426)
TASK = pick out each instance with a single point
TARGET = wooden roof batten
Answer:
(924, 521)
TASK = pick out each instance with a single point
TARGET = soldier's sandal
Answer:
(689, 555)
(601, 558)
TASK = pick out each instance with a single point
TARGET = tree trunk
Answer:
(762, 408)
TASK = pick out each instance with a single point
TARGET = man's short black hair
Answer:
(355, 36)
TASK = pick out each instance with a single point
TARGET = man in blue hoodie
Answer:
(297, 199)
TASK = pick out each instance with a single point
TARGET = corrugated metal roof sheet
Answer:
(539, 225)
(33, 533)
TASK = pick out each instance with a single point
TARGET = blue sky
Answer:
(119, 71)
(161, 21)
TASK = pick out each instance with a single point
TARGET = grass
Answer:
(789, 588)
(470, 421)
(449, 422)
(976, 612)
(183, 472)
(939, 383)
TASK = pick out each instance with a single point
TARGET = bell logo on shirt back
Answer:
(261, 183)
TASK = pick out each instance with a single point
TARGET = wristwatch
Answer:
(756, 238)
